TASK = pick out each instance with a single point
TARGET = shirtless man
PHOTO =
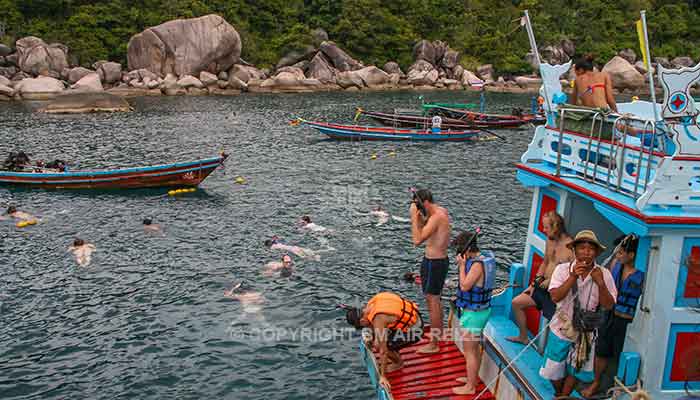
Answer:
(275, 244)
(306, 224)
(82, 252)
(430, 224)
(150, 227)
(284, 267)
(381, 214)
(555, 252)
(592, 89)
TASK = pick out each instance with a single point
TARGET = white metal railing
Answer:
(617, 150)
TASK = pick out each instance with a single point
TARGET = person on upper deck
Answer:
(629, 282)
(556, 251)
(592, 88)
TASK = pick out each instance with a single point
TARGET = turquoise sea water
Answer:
(147, 318)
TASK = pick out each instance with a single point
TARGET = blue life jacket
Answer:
(478, 298)
(629, 291)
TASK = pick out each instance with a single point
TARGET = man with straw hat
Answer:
(579, 289)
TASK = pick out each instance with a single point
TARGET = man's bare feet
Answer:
(430, 348)
(464, 390)
(591, 390)
(462, 379)
(517, 339)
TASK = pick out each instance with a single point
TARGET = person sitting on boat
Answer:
(275, 243)
(477, 275)
(629, 282)
(579, 289)
(306, 224)
(82, 252)
(16, 161)
(284, 267)
(396, 323)
(555, 253)
(592, 88)
(436, 124)
(430, 224)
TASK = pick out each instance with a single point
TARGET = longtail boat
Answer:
(355, 132)
(490, 120)
(190, 173)
(419, 121)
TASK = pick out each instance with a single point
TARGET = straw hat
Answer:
(586, 236)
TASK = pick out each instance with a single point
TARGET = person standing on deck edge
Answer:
(430, 224)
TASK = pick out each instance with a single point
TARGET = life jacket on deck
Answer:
(405, 311)
(478, 297)
(628, 291)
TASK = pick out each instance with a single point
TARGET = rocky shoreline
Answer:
(201, 56)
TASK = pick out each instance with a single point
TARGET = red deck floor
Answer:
(431, 376)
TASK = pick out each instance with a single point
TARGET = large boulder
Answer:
(392, 67)
(319, 35)
(71, 103)
(527, 82)
(486, 72)
(245, 73)
(188, 81)
(289, 76)
(373, 76)
(295, 56)
(89, 83)
(568, 47)
(457, 72)
(4, 50)
(186, 46)
(340, 59)
(421, 66)
(35, 57)
(470, 79)
(554, 55)
(450, 59)
(76, 74)
(628, 54)
(5, 81)
(423, 78)
(349, 79)
(6, 90)
(12, 60)
(40, 88)
(109, 72)
(321, 69)
(424, 50)
(8, 72)
(207, 78)
(440, 50)
(663, 61)
(235, 83)
(623, 74)
(639, 66)
(680, 62)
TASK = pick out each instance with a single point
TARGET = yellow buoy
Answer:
(22, 224)
(373, 157)
(392, 154)
(171, 193)
(191, 190)
(240, 180)
(32, 222)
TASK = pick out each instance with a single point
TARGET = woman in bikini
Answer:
(592, 88)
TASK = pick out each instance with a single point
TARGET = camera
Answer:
(418, 201)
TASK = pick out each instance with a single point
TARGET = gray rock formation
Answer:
(629, 55)
(186, 46)
(450, 59)
(207, 78)
(373, 76)
(76, 74)
(680, 62)
(35, 57)
(319, 36)
(188, 81)
(623, 74)
(393, 67)
(4, 50)
(295, 56)
(89, 83)
(41, 88)
(486, 72)
(321, 69)
(110, 72)
(340, 59)
(424, 50)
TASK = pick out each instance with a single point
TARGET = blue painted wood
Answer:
(628, 367)
(528, 364)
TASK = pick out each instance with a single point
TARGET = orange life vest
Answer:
(405, 311)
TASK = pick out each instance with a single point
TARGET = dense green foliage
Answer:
(374, 31)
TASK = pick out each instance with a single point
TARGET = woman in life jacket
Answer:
(476, 282)
(396, 323)
(629, 282)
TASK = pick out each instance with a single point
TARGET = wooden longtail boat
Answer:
(190, 173)
(490, 120)
(418, 121)
(355, 132)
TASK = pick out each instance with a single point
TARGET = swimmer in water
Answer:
(307, 225)
(82, 252)
(284, 267)
(251, 301)
(381, 214)
(150, 227)
(275, 244)
(12, 212)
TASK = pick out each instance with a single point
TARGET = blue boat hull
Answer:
(351, 132)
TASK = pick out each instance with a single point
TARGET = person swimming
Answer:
(21, 215)
(251, 301)
(592, 88)
(82, 252)
(284, 267)
(381, 214)
(274, 243)
(306, 224)
(150, 227)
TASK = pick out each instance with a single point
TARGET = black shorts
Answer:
(397, 340)
(543, 302)
(611, 337)
(432, 274)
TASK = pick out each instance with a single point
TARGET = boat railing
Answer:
(617, 148)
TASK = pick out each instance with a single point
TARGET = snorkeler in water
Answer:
(82, 252)
(306, 224)
(284, 267)
(150, 227)
(275, 243)
(12, 212)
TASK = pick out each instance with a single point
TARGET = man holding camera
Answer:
(580, 289)
(430, 224)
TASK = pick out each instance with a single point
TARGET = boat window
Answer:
(565, 148)
(694, 184)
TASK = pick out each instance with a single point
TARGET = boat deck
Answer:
(428, 376)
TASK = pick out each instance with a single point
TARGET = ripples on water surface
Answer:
(147, 319)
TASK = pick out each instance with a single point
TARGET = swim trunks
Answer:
(432, 274)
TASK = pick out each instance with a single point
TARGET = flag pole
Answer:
(533, 46)
(649, 72)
